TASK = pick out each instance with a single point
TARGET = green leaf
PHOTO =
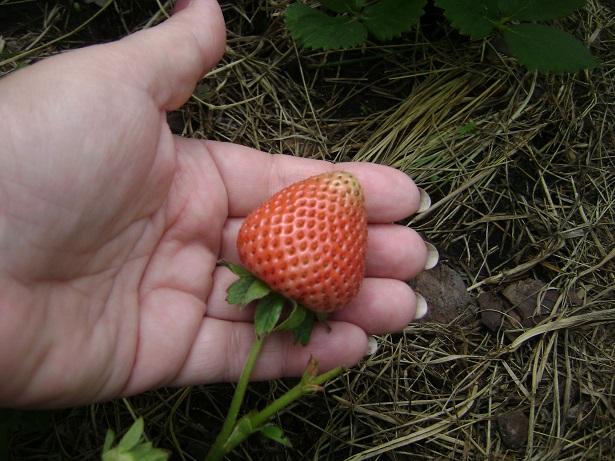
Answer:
(237, 290)
(315, 29)
(267, 313)
(275, 433)
(475, 18)
(132, 437)
(130, 447)
(146, 452)
(546, 49)
(538, 10)
(343, 6)
(109, 438)
(390, 18)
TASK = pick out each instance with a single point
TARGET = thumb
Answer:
(171, 57)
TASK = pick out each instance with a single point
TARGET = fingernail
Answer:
(425, 202)
(372, 346)
(432, 256)
(421, 307)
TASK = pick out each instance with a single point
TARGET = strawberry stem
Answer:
(218, 449)
(293, 394)
(233, 435)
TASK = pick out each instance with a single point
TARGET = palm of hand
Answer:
(110, 225)
(112, 229)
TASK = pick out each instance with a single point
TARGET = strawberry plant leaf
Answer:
(315, 29)
(268, 311)
(475, 18)
(343, 6)
(275, 433)
(131, 446)
(546, 49)
(132, 437)
(538, 10)
(237, 290)
(388, 19)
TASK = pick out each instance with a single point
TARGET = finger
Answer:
(393, 251)
(382, 306)
(251, 177)
(221, 347)
(170, 58)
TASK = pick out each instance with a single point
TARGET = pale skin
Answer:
(111, 229)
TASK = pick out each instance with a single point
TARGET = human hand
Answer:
(111, 229)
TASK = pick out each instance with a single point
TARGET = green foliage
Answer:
(536, 46)
(131, 446)
(474, 18)
(538, 10)
(353, 22)
(546, 49)
(270, 305)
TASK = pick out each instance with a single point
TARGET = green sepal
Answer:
(237, 290)
(246, 288)
(238, 270)
(303, 331)
(268, 312)
(257, 290)
(294, 319)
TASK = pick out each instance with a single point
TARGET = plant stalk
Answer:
(255, 420)
(217, 451)
(293, 394)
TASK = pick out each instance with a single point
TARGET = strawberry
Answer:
(308, 241)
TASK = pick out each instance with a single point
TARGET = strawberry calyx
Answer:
(270, 306)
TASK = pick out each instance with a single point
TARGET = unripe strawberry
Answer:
(308, 242)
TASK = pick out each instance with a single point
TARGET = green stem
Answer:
(255, 420)
(217, 451)
(292, 395)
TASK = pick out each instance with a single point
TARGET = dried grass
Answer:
(521, 170)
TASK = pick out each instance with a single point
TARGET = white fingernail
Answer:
(425, 202)
(421, 307)
(372, 346)
(432, 256)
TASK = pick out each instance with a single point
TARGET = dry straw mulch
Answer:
(521, 171)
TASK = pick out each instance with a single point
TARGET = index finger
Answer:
(252, 176)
